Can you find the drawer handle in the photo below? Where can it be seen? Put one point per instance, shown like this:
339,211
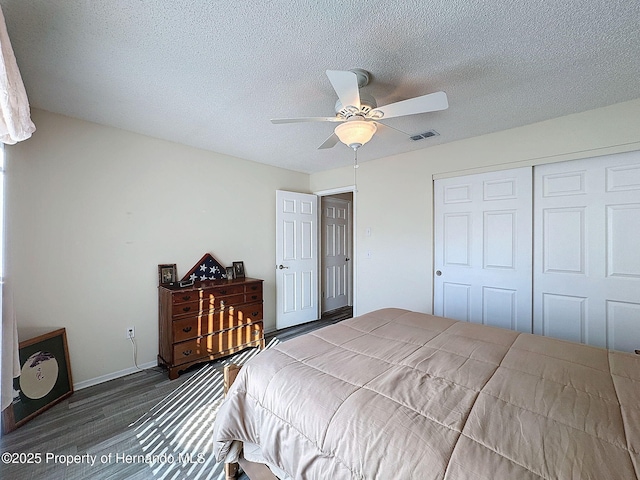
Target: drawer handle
256,332
186,329
255,314
186,353
254,297
186,309
186,297
255,287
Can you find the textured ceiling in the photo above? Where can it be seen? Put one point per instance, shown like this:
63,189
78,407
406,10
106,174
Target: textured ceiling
212,74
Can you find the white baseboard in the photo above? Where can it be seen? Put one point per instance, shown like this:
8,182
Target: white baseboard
112,376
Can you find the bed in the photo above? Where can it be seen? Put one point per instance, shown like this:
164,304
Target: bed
395,394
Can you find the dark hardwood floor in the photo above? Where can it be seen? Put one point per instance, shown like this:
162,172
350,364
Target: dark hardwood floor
142,426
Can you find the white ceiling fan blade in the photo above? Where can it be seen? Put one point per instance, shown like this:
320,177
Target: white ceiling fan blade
329,142
345,84
306,119
426,103
385,127
390,135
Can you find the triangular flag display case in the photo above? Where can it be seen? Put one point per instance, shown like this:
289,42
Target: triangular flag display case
208,268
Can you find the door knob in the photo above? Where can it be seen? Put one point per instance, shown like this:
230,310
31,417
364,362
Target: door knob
438,273
347,259
281,266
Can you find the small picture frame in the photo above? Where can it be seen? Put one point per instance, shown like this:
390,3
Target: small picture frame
167,273
45,377
230,273
238,269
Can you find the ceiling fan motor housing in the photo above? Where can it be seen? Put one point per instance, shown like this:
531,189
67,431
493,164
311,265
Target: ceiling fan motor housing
367,103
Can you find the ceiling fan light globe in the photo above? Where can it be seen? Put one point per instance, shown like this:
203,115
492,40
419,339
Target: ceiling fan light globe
355,133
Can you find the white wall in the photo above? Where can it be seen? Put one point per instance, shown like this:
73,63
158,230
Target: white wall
395,194
92,211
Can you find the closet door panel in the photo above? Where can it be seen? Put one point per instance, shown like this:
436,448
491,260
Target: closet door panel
623,246
564,317
456,301
623,318
482,260
586,260
563,240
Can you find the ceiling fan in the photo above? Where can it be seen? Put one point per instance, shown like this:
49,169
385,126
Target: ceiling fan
358,113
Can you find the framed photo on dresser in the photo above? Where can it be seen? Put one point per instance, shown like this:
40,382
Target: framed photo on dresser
238,269
167,273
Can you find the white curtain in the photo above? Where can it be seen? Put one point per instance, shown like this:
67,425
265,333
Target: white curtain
15,126
15,121
10,360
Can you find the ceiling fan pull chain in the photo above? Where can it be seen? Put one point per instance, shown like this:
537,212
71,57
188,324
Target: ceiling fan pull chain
355,169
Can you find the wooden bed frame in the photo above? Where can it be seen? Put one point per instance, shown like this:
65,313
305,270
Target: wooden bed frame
255,471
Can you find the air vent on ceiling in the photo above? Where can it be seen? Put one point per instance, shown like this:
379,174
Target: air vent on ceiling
422,136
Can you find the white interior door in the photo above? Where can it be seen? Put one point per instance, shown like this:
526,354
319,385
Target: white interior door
482,258
587,251
296,258
336,253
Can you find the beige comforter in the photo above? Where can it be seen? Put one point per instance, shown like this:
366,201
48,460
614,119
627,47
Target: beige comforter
396,395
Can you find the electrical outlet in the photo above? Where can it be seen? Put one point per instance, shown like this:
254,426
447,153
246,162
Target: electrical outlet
131,332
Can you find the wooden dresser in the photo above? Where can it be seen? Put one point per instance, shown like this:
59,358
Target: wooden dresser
208,320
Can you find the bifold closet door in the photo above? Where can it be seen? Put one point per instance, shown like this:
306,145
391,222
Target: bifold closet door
483,238
587,251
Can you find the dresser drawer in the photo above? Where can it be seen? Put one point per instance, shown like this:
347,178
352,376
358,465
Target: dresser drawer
229,300
248,313
193,327
252,297
216,343
206,323
221,291
185,329
185,296
205,304
253,288
206,293
237,316
187,308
